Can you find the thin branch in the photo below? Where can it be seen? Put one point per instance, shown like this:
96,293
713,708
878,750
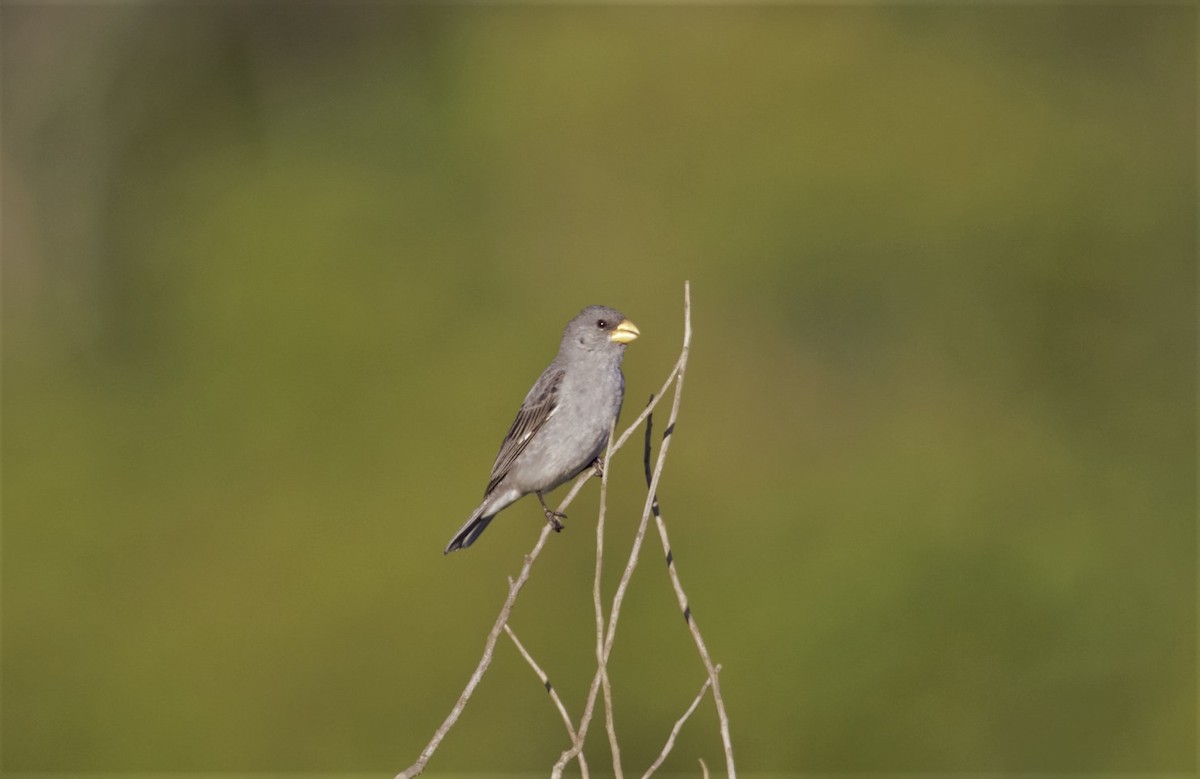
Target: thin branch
601,659
514,588
623,584
649,409
631,564
489,646
666,750
545,680
681,596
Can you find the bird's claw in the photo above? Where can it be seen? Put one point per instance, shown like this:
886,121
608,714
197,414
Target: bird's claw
598,467
554,519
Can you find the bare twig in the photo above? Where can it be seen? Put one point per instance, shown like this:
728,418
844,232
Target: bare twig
489,646
681,596
703,769
545,680
675,369
666,750
631,563
515,587
601,659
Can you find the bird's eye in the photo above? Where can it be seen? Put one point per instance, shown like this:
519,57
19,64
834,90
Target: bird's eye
603,323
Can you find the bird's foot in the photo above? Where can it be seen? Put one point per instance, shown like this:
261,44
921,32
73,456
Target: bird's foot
553,518
598,467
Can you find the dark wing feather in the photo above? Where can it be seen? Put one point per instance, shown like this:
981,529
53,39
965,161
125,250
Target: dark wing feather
537,408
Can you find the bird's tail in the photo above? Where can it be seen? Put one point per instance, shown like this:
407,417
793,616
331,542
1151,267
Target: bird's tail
467,534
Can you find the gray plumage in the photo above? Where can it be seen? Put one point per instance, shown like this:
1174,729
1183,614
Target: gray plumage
564,421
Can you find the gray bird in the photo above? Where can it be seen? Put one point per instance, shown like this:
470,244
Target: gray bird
563,423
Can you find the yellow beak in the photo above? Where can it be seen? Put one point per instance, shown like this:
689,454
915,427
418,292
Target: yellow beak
625,332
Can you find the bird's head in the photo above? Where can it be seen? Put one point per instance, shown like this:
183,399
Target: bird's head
600,328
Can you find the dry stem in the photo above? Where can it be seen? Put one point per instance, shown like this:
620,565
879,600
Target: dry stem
541,675
666,750
681,596
601,660
514,588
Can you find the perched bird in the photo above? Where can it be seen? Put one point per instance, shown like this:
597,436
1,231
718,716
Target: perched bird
563,423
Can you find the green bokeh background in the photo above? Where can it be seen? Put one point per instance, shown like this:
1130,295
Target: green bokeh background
276,278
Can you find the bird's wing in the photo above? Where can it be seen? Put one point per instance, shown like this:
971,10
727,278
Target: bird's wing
538,406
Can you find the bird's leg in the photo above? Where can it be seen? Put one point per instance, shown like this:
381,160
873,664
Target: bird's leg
553,517
598,466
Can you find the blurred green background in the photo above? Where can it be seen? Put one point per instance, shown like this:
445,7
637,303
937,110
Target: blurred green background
276,278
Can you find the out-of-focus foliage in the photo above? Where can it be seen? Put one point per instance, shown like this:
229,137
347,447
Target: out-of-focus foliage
276,278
